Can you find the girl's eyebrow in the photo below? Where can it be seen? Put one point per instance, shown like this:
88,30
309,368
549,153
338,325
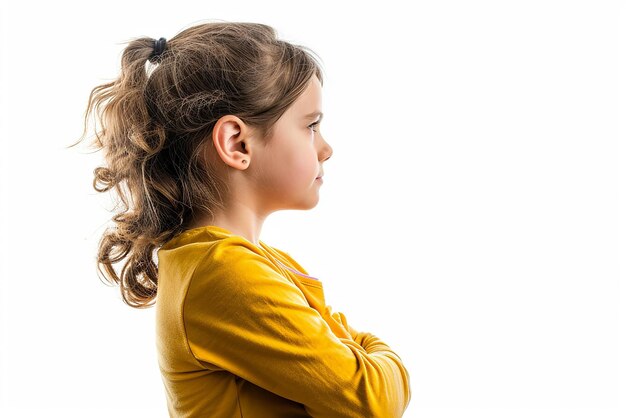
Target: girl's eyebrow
310,115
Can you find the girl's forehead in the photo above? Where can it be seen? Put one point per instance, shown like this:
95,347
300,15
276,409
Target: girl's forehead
310,101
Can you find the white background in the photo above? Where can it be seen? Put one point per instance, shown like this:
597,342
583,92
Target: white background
471,215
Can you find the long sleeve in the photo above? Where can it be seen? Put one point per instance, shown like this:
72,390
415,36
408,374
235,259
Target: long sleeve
243,316
357,336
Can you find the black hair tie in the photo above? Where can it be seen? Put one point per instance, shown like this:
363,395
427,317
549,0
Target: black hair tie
159,47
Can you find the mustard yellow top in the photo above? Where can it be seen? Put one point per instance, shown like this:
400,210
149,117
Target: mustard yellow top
242,331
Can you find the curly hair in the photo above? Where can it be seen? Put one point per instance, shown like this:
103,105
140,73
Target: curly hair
156,118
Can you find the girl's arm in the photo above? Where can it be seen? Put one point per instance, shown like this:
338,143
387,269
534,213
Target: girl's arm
243,316
341,318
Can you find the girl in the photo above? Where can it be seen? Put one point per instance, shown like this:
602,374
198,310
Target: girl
205,135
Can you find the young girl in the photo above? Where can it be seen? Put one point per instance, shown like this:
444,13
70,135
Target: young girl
204,135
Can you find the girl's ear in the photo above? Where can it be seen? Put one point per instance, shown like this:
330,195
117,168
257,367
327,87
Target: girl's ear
231,137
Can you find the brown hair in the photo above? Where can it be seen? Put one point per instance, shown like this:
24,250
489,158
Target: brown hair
155,125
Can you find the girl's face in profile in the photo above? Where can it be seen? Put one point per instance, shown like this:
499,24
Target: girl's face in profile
288,167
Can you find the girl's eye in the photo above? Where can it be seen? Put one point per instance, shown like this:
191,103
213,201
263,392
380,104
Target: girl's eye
314,124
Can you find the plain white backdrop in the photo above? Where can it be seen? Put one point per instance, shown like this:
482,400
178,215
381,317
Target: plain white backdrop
471,215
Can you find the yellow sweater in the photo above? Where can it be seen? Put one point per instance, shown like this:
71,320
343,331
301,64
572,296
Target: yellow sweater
242,331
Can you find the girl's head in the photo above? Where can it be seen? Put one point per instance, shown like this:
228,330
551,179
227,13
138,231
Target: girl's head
223,114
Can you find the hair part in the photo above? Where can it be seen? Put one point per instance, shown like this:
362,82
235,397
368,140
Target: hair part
156,119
